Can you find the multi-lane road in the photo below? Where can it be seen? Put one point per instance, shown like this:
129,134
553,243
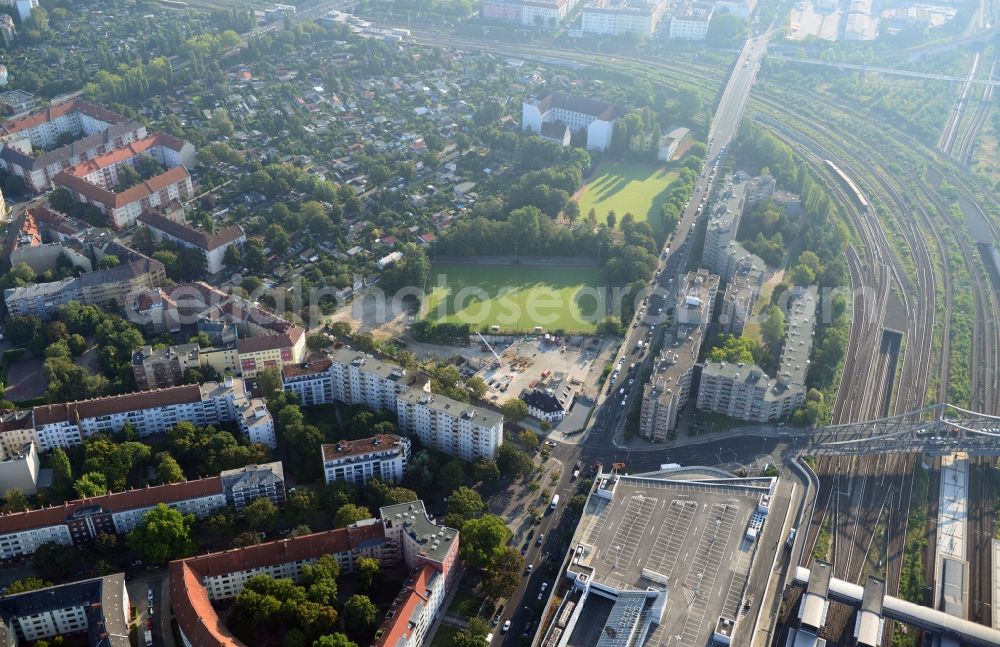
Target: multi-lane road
602,441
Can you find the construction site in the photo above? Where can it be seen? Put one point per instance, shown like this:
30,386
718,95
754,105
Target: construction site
898,548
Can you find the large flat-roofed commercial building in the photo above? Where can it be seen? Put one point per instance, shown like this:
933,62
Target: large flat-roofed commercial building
149,412
455,428
657,559
98,608
357,461
79,521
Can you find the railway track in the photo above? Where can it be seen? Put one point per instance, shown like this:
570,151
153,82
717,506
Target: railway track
967,144
883,272
982,511
863,501
950,133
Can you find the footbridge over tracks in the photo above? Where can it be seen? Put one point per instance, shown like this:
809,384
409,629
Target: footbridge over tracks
938,428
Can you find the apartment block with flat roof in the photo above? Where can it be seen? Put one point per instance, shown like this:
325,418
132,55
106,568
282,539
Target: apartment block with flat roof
383,456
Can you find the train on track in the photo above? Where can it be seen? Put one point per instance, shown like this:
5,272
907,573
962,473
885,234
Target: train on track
859,197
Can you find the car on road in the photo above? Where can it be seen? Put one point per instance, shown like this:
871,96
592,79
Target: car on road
149,595
576,474
528,569
497,616
624,400
541,594
550,443
541,538
506,627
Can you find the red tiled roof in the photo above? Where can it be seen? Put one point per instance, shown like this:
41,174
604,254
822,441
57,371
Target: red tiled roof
189,598
345,448
71,411
394,629
269,342
310,368
58,110
114,200
114,502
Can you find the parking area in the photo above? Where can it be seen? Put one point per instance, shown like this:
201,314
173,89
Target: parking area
686,536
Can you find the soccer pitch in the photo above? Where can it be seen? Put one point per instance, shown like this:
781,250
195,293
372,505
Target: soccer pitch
638,189
516,297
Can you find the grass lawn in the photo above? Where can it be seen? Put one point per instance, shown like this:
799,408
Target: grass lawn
465,603
443,635
514,297
638,189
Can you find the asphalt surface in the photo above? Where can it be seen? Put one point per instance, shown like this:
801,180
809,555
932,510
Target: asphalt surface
602,441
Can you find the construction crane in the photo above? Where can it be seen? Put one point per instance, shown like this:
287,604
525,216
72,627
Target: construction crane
487,345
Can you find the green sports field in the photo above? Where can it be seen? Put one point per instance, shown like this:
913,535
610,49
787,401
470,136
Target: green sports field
514,297
638,189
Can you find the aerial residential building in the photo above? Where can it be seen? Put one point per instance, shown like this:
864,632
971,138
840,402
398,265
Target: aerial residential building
577,113
671,143
737,305
26,244
669,386
14,101
696,299
503,10
455,428
95,181
544,405
403,535
19,469
357,461
260,338
357,378
80,521
723,223
112,287
176,230
617,17
311,381
100,608
691,21
354,377
163,367
149,412
745,392
739,8
30,143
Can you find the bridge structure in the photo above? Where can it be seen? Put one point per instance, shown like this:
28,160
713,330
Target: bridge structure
938,428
